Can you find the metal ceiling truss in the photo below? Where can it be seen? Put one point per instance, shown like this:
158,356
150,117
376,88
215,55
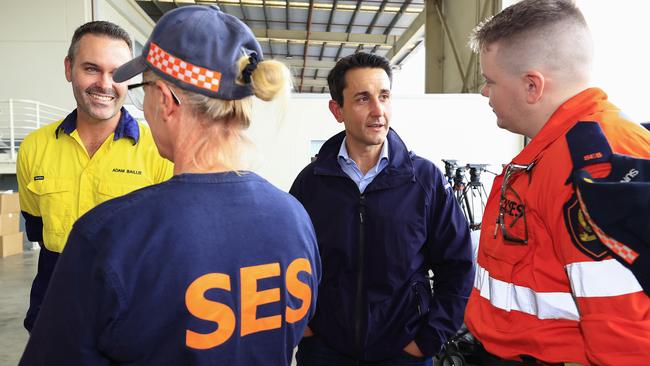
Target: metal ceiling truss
282,35
309,36
322,50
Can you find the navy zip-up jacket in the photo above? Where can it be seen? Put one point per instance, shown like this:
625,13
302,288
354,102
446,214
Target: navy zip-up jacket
376,250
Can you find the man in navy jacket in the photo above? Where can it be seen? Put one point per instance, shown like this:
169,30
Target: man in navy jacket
383,217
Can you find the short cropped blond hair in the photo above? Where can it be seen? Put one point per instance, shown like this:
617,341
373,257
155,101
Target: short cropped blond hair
552,34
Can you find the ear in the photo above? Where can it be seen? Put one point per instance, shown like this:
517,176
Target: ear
335,108
169,107
535,83
68,68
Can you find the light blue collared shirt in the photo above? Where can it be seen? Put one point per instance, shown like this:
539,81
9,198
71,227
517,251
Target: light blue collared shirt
352,169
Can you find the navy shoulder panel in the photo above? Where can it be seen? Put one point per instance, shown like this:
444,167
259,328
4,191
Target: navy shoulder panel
587,145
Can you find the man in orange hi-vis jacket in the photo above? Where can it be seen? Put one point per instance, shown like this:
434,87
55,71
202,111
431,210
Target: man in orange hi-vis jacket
548,290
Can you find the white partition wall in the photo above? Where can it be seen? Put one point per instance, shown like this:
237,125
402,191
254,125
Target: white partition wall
438,126
34,40
126,14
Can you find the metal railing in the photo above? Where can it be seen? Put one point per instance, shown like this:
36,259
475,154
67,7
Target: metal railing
19,117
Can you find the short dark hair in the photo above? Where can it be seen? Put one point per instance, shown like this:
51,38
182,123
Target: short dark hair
336,77
98,27
523,17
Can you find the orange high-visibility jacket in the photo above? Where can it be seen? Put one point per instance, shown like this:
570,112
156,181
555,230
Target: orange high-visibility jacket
560,297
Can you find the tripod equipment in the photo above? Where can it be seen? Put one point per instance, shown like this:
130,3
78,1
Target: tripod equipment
450,168
475,171
473,196
459,179
470,192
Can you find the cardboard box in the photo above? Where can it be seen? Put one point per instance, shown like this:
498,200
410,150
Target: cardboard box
9,203
11,244
9,223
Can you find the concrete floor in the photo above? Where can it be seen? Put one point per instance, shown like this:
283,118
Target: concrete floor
16,275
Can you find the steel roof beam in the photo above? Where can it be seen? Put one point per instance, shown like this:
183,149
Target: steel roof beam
310,64
306,46
322,47
393,21
325,24
243,12
398,15
408,38
157,5
329,37
318,83
267,25
373,22
286,16
349,28
392,6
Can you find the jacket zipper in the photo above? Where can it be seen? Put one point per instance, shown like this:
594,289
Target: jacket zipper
418,298
359,300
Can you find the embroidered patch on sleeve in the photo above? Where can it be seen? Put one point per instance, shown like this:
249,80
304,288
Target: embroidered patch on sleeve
581,233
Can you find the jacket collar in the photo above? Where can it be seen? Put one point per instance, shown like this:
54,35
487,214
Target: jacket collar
400,164
126,127
577,108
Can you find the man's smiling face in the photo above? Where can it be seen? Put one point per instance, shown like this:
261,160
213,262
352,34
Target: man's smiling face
96,57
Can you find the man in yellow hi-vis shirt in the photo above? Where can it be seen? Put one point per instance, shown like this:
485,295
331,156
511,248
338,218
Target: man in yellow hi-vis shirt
96,153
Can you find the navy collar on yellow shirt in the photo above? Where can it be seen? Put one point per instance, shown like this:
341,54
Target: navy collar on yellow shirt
126,127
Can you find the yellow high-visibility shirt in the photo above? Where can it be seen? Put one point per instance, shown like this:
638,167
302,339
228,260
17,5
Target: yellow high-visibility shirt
58,182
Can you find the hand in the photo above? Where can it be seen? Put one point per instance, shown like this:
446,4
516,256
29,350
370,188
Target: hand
413,349
308,332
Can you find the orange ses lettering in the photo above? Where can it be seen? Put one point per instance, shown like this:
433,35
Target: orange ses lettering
298,289
250,299
214,311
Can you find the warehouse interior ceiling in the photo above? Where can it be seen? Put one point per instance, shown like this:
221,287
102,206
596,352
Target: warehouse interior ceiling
309,36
